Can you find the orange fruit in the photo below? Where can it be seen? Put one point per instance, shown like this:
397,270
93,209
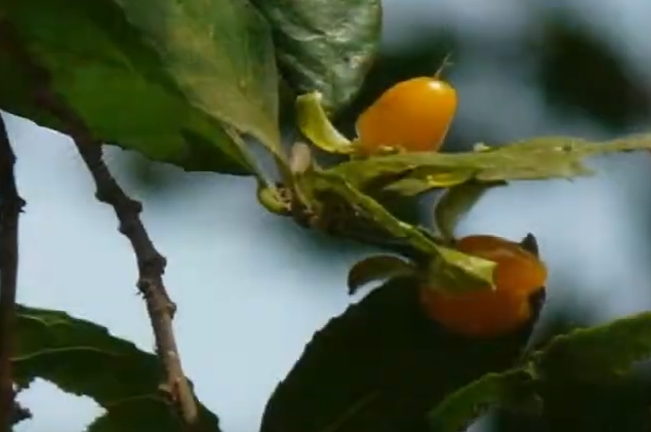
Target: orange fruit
488,313
413,115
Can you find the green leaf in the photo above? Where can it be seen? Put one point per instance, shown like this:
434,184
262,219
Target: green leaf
534,159
460,408
454,271
376,268
576,368
449,269
273,200
415,184
314,124
456,203
220,55
597,353
381,366
82,358
325,46
127,90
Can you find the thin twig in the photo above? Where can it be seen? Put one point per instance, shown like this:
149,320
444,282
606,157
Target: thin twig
151,264
11,205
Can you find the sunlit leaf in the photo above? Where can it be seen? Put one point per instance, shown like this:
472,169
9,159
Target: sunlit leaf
534,159
220,54
414,184
147,88
449,269
314,124
82,358
455,271
377,268
325,46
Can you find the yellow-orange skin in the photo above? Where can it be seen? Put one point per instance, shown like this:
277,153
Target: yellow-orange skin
414,115
490,313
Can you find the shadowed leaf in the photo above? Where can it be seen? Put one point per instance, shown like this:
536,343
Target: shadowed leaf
462,407
143,414
598,352
82,358
325,46
377,268
577,367
381,366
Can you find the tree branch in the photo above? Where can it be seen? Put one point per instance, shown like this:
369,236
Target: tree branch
151,264
11,205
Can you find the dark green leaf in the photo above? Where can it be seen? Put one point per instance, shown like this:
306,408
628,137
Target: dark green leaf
620,405
598,352
576,368
127,91
377,268
381,366
455,203
534,159
325,46
460,408
146,414
82,358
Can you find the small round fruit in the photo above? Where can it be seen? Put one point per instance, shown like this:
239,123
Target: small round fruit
413,115
489,313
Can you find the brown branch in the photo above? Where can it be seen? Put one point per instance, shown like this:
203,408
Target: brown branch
151,264
11,205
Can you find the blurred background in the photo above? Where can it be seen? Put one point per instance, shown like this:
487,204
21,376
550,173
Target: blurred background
252,288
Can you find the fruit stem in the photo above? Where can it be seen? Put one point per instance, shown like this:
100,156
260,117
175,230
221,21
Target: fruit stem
444,64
